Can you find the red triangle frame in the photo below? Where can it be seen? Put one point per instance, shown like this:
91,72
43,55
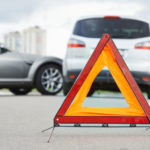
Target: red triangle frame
60,118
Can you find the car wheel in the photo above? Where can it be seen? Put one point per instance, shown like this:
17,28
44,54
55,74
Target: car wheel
20,91
148,93
91,92
49,80
66,88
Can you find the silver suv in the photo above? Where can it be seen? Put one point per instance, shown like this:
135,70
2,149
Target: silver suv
132,38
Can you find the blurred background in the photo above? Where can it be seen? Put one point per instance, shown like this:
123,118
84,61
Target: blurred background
43,27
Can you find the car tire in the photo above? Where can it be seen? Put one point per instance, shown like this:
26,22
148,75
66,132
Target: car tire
66,88
91,92
148,93
20,91
49,79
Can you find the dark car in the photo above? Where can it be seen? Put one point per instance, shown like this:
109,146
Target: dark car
20,72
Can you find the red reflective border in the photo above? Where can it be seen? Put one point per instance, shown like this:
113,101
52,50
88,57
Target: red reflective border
60,118
97,119
133,85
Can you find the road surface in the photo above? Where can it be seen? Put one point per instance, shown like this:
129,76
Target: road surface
22,118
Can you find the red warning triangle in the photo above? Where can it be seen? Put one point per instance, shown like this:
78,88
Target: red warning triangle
105,55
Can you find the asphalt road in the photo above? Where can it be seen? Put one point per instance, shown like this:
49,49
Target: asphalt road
22,118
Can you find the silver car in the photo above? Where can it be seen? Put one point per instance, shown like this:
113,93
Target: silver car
22,72
132,38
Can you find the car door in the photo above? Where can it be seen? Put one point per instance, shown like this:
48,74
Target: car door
11,64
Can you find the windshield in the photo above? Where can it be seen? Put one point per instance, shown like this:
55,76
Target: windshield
117,28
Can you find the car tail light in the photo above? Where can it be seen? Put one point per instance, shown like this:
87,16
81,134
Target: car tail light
75,43
143,45
145,79
111,17
71,76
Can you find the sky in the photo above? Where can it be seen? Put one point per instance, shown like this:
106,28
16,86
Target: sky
58,16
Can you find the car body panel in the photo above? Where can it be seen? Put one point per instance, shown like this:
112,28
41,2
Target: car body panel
137,60
12,65
29,58
41,61
19,69
77,57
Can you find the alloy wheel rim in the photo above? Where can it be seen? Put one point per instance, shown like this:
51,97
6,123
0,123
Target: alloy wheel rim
52,80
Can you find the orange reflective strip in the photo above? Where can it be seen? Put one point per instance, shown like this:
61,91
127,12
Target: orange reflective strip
106,59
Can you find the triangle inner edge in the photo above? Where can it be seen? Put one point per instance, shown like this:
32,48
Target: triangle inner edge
106,58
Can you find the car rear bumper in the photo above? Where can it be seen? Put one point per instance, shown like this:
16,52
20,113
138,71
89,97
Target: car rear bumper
105,80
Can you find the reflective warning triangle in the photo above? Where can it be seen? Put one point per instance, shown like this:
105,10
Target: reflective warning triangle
105,55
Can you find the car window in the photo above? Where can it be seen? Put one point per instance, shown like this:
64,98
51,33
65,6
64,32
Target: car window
117,28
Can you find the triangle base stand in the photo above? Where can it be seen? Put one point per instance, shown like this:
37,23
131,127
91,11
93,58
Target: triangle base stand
105,125
51,134
52,131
